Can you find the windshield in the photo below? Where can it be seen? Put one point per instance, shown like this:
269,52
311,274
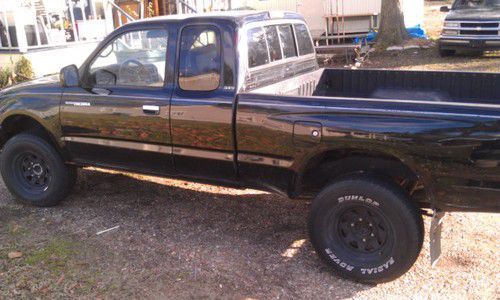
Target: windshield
462,4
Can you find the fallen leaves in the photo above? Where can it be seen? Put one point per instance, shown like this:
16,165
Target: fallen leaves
60,280
15,254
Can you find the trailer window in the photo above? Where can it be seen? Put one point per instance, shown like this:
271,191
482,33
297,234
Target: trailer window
273,42
257,47
303,39
287,40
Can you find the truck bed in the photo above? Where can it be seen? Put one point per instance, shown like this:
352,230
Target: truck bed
446,123
387,84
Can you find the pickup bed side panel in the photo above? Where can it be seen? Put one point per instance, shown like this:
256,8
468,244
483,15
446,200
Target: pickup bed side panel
436,86
454,149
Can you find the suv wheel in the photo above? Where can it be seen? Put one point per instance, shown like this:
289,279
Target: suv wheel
34,172
366,229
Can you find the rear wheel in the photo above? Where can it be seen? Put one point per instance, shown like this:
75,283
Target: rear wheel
366,229
34,172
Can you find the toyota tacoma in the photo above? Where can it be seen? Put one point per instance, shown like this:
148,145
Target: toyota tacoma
237,99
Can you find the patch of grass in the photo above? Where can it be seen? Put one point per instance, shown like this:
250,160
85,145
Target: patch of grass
55,255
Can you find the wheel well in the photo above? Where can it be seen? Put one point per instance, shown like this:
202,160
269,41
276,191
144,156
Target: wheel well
332,165
16,124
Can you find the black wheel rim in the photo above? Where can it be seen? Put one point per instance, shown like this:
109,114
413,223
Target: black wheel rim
32,171
362,229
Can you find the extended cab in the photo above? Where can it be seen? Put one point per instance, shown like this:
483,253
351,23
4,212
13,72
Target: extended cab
238,99
471,25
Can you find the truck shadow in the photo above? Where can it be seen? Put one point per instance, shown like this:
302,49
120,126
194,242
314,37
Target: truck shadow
184,240
240,233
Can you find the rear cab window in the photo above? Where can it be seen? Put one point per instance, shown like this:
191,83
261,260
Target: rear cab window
287,40
274,43
269,50
257,47
304,43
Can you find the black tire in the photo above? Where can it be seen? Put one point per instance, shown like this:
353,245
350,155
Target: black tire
34,172
447,52
366,229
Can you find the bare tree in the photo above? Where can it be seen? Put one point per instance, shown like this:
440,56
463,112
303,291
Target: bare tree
392,29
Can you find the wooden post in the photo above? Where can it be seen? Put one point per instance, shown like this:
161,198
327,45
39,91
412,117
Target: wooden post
156,8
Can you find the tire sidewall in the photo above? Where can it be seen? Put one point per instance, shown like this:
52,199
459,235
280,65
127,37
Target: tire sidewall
404,244
31,143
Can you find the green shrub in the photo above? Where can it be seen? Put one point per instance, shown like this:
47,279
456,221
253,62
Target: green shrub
4,77
23,70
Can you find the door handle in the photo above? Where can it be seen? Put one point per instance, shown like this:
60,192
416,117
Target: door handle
151,109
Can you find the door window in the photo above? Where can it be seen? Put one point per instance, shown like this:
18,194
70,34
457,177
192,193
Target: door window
134,58
200,59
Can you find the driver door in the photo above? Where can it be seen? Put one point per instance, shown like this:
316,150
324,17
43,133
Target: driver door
119,117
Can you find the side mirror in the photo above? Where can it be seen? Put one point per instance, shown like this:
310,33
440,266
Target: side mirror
69,76
444,9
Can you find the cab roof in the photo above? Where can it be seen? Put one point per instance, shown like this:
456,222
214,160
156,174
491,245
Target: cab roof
239,17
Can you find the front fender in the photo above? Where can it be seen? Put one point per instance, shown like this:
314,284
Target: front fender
39,102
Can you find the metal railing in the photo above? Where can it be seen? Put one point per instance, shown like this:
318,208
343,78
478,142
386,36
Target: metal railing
26,25
184,7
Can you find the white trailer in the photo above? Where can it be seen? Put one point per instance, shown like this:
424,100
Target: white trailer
337,17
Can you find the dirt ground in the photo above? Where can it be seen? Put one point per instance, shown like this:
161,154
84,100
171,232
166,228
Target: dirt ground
182,240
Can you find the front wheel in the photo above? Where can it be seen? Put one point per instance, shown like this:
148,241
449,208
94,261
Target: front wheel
34,172
366,229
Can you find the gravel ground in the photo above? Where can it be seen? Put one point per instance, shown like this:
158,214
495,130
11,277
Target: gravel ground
183,240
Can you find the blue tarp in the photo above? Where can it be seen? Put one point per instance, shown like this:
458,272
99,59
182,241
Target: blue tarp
415,32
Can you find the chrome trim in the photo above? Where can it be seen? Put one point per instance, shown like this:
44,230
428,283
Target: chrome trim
154,108
471,37
460,42
120,144
468,21
207,101
264,160
76,103
473,28
209,154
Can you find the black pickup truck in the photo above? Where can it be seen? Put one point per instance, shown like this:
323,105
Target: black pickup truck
237,99
472,25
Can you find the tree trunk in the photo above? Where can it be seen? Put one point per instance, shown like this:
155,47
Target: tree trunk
392,29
